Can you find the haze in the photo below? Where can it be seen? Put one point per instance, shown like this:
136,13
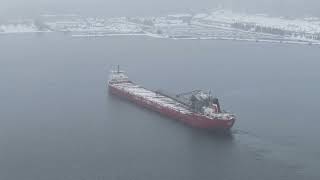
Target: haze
62,118
14,8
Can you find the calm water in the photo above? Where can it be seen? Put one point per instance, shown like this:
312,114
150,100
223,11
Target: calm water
58,122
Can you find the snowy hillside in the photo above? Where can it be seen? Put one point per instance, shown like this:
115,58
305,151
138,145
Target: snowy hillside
218,24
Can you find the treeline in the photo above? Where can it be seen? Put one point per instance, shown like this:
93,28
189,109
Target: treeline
273,30
256,28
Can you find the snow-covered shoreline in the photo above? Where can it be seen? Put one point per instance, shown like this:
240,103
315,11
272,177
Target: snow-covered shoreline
218,24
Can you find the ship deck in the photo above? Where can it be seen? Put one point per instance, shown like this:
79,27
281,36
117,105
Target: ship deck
148,95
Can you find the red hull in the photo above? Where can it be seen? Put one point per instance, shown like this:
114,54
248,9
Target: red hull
194,120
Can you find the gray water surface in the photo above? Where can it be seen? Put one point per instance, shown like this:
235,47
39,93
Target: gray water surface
57,120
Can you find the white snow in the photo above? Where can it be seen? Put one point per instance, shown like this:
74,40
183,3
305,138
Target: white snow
179,15
152,97
218,24
18,28
310,25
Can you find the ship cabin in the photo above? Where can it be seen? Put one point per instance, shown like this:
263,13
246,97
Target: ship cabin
118,76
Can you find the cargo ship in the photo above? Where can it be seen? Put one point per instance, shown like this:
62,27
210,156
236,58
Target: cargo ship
197,108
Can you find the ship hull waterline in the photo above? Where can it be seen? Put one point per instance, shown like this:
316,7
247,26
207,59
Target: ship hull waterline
193,120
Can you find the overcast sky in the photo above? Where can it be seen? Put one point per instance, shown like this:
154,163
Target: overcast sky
154,7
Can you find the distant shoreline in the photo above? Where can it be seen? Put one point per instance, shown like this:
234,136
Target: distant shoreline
217,25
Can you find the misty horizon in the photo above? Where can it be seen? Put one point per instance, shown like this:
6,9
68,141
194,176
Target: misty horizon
18,8
208,89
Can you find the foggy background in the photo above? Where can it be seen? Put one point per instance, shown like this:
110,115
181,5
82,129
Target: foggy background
29,8
59,122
